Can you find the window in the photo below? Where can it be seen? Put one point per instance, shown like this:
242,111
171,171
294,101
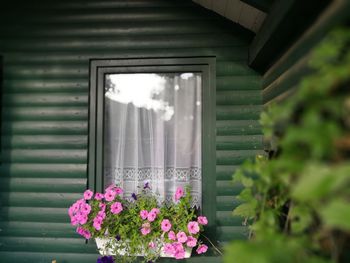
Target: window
153,120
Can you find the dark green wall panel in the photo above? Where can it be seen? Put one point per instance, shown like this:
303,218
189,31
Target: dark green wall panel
46,48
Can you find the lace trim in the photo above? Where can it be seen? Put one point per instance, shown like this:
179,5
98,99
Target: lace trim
141,174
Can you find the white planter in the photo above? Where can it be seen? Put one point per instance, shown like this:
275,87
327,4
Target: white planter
102,242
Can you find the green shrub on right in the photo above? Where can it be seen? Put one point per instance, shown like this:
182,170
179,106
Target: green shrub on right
296,198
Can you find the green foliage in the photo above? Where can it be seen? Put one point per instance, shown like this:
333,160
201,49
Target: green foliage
298,198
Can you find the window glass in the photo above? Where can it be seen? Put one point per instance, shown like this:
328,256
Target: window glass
152,132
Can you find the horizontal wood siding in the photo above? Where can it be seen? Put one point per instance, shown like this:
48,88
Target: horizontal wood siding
46,47
281,79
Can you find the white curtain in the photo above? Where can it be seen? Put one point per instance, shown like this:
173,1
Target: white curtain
152,133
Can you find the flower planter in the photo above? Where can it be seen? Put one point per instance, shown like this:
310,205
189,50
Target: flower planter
101,244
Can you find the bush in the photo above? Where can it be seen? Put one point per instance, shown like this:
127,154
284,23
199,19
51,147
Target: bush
296,198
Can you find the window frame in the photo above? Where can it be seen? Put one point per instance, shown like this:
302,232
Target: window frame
204,65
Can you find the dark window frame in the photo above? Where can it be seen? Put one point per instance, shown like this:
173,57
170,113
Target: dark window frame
204,65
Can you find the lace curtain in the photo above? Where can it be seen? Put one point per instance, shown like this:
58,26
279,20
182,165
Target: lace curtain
152,133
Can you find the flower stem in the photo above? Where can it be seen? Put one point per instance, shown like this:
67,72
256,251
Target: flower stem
217,250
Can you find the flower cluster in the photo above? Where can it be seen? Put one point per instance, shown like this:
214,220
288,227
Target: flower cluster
178,242
140,224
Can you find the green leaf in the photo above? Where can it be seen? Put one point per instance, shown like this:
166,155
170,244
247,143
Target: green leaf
319,180
337,214
245,210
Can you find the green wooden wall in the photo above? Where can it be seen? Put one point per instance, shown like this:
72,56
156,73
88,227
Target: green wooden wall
281,79
46,47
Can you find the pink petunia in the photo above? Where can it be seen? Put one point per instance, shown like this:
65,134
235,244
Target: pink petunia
83,219
151,216
88,194
85,209
202,220
110,195
97,225
84,232
180,254
144,214
193,227
71,211
80,201
118,190
155,210
80,230
179,250
171,235
181,237
116,208
191,241
102,206
74,221
101,214
169,249
202,249
97,222
145,231
87,234
110,187
151,244
165,225
99,196
179,193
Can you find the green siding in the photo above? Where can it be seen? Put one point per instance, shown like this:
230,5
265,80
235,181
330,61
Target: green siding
46,48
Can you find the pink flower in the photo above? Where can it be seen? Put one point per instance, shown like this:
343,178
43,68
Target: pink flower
202,220
169,249
181,237
85,209
180,254
151,244
80,230
83,219
101,214
172,235
118,190
102,206
145,231
80,201
193,227
151,216
87,234
97,223
144,214
155,210
110,187
179,193
146,228
71,211
84,232
74,221
202,249
191,241
110,195
179,250
88,194
99,196
116,208
166,225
